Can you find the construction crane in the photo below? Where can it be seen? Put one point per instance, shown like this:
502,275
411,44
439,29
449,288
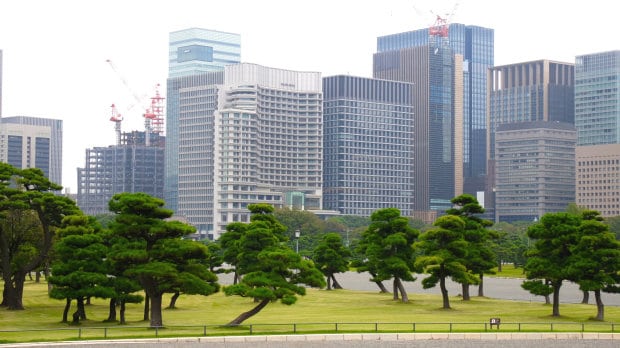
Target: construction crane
117,118
153,115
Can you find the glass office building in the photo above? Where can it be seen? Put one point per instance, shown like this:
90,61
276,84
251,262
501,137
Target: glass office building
476,45
29,142
368,132
597,98
197,58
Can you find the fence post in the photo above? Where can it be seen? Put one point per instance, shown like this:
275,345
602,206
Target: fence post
294,328
582,327
376,327
551,326
80,333
336,327
450,327
485,326
204,330
105,332
413,327
519,327
251,330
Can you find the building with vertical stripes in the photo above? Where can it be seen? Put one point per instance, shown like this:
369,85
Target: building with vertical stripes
255,137
436,73
368,145
476,45
196,60
32,142
535,169
598,178
134,165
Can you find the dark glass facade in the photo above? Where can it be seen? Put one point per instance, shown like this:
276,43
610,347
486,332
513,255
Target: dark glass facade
476,45
368,131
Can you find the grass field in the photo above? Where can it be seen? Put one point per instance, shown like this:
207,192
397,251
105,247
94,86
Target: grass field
318,311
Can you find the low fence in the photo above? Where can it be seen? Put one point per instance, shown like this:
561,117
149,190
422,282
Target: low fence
125,332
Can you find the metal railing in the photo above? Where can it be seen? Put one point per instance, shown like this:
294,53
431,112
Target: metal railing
124,332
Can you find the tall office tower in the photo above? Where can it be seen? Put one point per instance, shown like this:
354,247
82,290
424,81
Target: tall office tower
476,45
131,166
540,90
438,121
29,142
535,169
598,178
263,143
368,140
193,51
597,98
196,59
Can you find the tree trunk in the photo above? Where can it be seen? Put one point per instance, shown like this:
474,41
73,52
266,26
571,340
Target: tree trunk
122,313
329,282
335,282
13,291
112,311
444,292
499,266
147,303
382,288
556,298
600,308
586,297
65,313
401,288
236,278
156,316
173,300
246,315
481,286
547,299
465,290
395,290
80,308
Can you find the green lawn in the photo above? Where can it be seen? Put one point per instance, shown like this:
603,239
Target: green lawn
196,315
509,271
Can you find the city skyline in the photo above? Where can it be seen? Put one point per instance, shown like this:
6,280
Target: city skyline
54,57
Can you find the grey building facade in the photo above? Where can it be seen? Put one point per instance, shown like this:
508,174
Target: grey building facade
597,98
476,45
436,73
196,60
535,169
33,142
132,166
255,137
368,145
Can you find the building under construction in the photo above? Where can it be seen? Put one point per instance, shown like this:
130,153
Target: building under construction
134,165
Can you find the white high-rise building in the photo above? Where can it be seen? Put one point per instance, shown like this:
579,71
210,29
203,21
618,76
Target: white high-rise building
262,143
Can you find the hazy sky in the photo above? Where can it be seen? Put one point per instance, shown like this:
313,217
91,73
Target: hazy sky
55,51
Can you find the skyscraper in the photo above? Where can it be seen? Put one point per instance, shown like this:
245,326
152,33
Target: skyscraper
131,166
597,98
597,119
438,120
193,51
196,58
476,45
541,90
535,169
368,140
260,140
32,142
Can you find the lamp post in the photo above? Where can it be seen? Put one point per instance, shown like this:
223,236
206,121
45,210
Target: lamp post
297,233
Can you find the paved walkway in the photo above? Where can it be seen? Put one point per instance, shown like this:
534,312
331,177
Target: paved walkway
426,340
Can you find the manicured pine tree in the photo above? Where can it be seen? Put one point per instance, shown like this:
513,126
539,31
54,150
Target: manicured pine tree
331,257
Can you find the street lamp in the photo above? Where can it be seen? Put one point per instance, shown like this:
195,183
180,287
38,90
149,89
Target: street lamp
297,233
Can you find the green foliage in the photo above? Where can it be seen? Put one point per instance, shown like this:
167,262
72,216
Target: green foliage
387,248
270,270
331,256
78,270
442,251
152,250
